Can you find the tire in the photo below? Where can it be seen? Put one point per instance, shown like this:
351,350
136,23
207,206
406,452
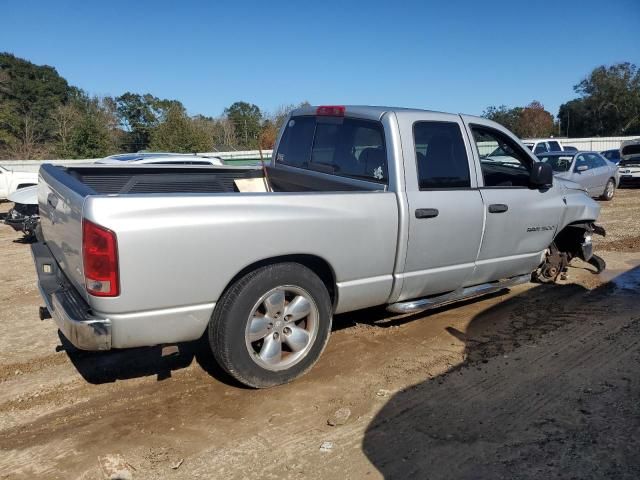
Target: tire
609,190
251,304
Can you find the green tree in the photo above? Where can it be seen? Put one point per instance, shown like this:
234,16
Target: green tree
139,115
93,127
29,94
179,133
608,103
505,116
246,118
575,119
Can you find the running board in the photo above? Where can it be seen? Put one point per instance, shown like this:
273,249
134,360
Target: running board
420,304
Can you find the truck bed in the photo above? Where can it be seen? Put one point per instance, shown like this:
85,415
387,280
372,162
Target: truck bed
191,222
107,179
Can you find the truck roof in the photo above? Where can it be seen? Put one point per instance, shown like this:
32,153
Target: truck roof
371,112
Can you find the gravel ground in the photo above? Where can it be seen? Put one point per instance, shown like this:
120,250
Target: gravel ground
540,382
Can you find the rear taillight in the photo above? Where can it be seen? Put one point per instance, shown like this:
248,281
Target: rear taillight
331,111
100,256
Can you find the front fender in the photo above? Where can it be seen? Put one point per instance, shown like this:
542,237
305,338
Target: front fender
579,207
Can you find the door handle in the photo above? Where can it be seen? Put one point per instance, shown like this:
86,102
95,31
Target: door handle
427,212
498,208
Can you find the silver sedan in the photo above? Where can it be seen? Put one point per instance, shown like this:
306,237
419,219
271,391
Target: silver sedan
596,174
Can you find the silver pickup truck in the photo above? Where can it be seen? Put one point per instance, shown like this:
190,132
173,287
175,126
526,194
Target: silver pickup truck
365,206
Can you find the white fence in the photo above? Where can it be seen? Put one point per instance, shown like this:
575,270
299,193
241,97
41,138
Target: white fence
597,144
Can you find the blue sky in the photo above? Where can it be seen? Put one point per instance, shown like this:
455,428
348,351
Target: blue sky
455,56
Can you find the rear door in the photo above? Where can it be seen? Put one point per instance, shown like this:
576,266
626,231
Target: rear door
520,221
445,206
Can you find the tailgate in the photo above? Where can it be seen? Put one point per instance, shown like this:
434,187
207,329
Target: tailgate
60,200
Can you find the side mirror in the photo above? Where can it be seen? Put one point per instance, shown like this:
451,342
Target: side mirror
582,168
541,175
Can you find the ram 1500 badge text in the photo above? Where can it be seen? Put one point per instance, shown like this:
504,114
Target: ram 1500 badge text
366,206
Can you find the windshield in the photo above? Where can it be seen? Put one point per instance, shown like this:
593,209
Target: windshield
559,163
529,146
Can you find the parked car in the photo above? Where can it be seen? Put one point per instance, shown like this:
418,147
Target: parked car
23,217
366,206
629,165
10,181
612,155
161,158
598,176
542,145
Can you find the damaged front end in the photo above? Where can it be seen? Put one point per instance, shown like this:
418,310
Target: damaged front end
23,218
574,241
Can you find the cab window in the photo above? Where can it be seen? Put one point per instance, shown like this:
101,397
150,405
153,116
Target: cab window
508,169
440,156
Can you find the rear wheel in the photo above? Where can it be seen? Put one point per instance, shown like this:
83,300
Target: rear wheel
271,325
609,190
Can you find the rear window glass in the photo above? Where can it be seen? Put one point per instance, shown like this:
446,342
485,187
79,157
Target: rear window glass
554,146
540,148
339,146
295,146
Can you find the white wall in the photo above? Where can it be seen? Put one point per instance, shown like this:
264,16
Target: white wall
597,144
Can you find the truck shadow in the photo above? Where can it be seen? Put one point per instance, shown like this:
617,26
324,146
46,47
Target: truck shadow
106,367
465,422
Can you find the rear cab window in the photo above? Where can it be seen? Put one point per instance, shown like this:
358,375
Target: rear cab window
342,146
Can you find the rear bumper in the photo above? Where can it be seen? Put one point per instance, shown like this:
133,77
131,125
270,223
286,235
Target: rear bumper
88,329
70,311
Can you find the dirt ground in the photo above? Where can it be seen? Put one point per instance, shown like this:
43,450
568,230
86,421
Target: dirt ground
539,382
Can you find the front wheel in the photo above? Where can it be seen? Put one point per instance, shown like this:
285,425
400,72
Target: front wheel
609,190
271,325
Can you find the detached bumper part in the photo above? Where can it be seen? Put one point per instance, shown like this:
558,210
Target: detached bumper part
70,312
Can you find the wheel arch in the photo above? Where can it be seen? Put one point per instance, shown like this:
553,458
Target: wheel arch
315,263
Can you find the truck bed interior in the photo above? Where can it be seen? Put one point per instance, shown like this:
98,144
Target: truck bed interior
109,179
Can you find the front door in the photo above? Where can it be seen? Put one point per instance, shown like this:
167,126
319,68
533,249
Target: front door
584,173
445,207
521,221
